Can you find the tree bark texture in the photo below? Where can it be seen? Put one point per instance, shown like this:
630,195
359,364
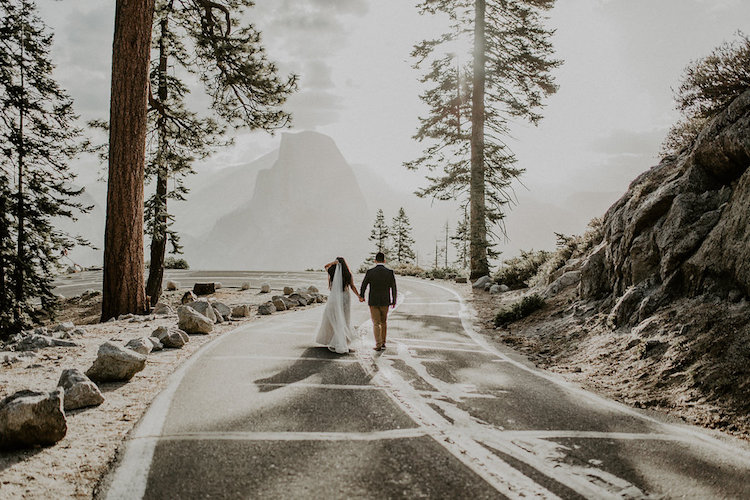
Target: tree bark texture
123,289
159,233
478,224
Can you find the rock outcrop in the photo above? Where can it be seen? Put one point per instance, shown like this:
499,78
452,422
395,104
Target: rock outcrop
682,228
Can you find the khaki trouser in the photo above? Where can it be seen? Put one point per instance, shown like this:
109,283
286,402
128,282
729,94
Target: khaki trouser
379,315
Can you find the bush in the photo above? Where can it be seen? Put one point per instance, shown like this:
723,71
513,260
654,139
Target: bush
569,247
708,86
173,263
408,270
519,310
519,270
443,273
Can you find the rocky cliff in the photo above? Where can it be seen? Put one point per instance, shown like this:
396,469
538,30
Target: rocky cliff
682,228
303,211
656,314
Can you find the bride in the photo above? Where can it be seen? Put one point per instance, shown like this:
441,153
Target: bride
335,329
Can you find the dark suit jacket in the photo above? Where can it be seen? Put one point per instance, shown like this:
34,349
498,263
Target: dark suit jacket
382,283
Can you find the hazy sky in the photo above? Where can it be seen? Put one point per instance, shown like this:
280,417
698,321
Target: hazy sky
602,128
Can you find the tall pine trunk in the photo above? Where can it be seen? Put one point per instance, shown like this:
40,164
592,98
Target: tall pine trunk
159,233
478,224
20,222
122,288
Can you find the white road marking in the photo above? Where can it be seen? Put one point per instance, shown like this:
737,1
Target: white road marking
286,358
402,339
290,436
721,446
310,385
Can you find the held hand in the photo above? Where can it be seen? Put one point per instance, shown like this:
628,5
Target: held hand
361,299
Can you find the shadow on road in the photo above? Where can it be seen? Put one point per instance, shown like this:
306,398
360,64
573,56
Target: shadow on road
324,363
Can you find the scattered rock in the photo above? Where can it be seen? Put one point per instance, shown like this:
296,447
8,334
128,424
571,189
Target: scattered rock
162,309
504,288
204,307
265,288
461,279
29,418
289,303
222,309
78,331
172,285
191,321
288,290
33,342
279,304
302,298
487,287
122,317
241,311
245,286
66,326
218,285
90,293
267,308
170,337
140,345
114,363
188,297
495,289
204,288
312,289
481,282
158,346
80,391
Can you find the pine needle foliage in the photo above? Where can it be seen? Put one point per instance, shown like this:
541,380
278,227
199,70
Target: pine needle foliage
514,71
38,137
708,86
207,40
402,240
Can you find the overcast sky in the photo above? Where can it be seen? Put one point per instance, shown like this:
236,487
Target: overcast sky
602,128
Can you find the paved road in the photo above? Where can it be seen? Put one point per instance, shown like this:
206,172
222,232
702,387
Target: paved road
262,413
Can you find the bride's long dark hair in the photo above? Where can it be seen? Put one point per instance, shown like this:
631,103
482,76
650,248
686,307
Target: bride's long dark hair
346,274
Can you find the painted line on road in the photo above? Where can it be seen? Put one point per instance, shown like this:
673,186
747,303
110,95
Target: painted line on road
310,385
704,438
401,339
415,432
129,478
568,434
285,358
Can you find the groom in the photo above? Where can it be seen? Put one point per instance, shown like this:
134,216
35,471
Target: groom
382,283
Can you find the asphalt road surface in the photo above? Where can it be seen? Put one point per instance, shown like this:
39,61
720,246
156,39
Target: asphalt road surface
443,413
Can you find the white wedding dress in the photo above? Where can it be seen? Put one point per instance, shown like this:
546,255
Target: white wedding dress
335,329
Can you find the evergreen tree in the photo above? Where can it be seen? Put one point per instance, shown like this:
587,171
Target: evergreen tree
37,139
402,240
379,235
243,87
122,284
505,77
460,241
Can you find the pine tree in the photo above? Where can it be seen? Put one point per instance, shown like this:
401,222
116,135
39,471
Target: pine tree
379,235
460,241
37,139
402,240
123,290
242,84
505,77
